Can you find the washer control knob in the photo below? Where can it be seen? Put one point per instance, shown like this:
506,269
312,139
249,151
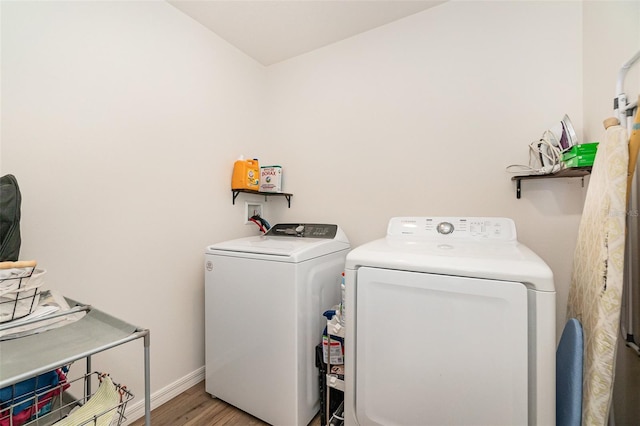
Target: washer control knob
444,228
299,229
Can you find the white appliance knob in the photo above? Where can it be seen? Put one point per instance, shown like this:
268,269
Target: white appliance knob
444,228
299,229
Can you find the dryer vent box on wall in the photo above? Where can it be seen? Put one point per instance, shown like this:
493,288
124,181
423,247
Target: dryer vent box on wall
252,209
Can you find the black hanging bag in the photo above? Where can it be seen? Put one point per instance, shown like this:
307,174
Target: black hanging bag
10,201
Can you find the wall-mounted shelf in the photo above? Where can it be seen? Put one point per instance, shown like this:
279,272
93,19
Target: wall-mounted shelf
334,381
266,194
580,172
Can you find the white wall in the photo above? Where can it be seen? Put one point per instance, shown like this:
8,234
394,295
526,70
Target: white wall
611,37
121,121
421,117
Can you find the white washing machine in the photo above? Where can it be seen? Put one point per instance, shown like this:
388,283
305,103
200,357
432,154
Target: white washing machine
449,321
264,299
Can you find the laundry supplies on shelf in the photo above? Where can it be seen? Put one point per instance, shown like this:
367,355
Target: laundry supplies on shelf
581,155
246,174
271,179
332,342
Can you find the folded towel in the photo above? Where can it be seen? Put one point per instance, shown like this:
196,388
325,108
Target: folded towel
99,410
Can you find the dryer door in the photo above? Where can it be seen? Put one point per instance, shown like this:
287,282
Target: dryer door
439,350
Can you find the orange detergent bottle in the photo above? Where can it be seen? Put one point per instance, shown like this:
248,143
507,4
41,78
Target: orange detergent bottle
246,174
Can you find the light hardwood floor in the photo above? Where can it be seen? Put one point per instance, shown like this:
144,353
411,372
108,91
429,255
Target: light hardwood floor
195,407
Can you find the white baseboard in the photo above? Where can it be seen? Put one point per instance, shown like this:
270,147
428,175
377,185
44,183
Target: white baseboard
136,411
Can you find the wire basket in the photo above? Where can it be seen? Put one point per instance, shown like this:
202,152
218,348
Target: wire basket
55,405
20,284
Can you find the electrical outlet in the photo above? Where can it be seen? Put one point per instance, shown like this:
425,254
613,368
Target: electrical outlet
251,209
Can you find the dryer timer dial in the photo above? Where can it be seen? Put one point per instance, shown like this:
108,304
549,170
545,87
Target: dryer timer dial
445,228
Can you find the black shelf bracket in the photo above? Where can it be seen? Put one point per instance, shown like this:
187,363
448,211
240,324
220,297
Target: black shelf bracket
580,172
287,196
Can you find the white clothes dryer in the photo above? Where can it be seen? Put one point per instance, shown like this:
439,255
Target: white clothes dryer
264,299
449,321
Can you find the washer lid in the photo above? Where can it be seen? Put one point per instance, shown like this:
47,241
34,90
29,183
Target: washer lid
488,249
286,247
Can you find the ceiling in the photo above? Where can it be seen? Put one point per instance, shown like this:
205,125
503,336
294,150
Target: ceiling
271,31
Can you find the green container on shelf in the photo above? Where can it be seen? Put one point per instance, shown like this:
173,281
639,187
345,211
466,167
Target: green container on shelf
581,155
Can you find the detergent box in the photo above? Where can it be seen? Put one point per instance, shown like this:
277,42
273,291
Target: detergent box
270,179
581,155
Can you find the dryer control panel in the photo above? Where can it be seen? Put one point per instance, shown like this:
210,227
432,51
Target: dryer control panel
458,228
304,230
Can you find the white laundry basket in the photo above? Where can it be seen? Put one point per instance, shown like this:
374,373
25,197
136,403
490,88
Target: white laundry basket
20,284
